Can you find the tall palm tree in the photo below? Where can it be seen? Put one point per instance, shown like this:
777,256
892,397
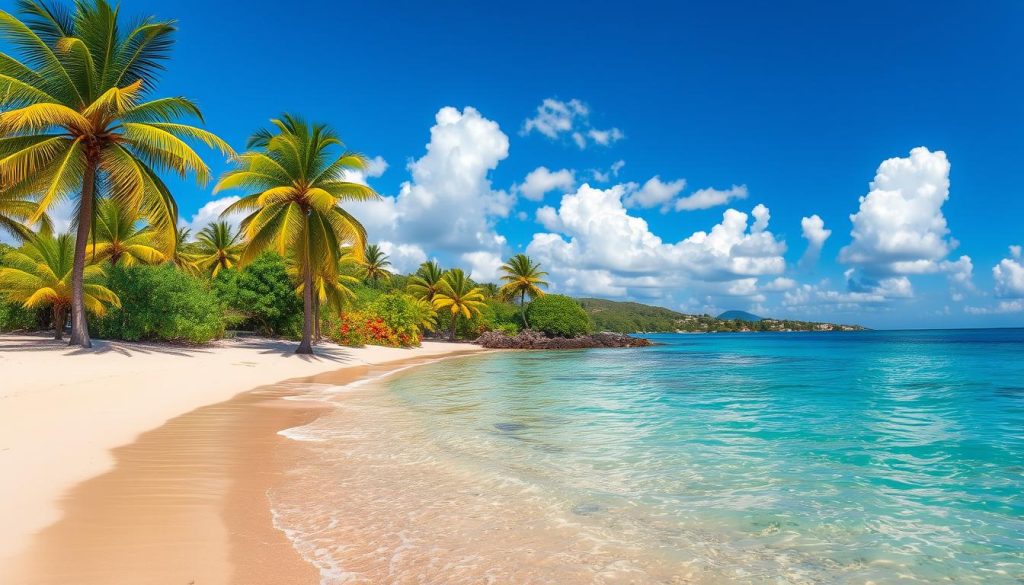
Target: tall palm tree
77,116
118,237
297,187
458,296
218,246
375,264
39,275
425,283
523,278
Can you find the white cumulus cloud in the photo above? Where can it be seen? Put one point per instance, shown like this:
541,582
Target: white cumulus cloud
708,198
1009,275
483,266
210,213
654,193
813,230
555,118
449,204
543,180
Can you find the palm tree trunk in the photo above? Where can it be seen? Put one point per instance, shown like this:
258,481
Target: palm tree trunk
79,327
522,309
306,346
59,317
316,320
451,336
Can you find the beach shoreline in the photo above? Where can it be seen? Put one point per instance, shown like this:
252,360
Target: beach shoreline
86,431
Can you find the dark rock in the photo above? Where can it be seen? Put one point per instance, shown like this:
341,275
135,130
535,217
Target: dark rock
529,339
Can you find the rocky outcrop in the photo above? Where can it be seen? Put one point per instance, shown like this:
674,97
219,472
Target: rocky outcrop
535,340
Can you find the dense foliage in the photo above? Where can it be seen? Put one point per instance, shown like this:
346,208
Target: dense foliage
160,303
558,315
624,317
261,298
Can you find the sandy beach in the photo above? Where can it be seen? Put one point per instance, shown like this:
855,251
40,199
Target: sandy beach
150,462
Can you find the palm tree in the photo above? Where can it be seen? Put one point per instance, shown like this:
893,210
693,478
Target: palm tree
76,117
116,236
375,264
459,296
424,314
184,256
331,287
39,275
424,284
523,278
297,187
218,247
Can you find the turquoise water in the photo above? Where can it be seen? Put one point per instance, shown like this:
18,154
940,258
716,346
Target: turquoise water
885,457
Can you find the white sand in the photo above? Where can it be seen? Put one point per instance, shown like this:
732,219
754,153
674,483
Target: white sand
62,410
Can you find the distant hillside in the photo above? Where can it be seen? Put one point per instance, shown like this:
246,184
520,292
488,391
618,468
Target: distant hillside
740,316
628,317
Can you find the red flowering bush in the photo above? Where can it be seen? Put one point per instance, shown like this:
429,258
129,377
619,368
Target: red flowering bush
382,323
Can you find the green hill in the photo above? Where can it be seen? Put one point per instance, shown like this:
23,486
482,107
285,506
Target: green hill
739,315
630,317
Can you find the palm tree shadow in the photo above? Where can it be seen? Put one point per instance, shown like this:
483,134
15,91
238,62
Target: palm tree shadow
321,351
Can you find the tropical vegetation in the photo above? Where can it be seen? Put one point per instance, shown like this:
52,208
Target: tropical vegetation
81,127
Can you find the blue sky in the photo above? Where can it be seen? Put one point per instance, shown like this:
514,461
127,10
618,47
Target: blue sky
795,104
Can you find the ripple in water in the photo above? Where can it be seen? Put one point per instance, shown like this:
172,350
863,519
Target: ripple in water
802,458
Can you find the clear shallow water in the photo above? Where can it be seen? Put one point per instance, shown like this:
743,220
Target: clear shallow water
885,457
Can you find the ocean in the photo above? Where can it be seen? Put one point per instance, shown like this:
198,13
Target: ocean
855,457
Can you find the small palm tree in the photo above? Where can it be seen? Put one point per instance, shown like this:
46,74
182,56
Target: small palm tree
118,237
523,278
331,288
184,256
375,264
427,280
218,247
77,114
297,187
39,275
458,296
424,314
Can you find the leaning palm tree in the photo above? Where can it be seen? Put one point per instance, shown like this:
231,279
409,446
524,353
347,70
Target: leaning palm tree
296,188
118,237
458,296
39,275
77,116
425,283
523,278
218,247
375,264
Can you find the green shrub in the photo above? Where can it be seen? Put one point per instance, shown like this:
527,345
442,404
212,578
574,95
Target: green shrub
389,319
14,317
496,315
261,297
558,315
160,303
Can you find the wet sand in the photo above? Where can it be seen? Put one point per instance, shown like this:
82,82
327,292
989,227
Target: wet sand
187,502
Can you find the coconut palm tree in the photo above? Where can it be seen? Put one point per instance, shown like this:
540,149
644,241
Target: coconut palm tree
375,264
458,296
118,237
218,246
296,188
77,115
523,278
424,284
39,275
331,287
